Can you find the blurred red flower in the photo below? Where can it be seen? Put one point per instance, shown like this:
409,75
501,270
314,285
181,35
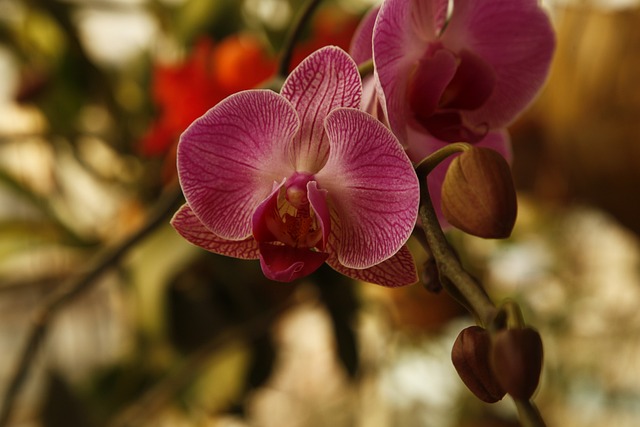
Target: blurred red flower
184,91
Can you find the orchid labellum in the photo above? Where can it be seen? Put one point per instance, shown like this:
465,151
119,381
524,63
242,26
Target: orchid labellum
300,178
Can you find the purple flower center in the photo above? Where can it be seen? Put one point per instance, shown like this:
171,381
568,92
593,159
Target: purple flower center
290,218
291,227
442,86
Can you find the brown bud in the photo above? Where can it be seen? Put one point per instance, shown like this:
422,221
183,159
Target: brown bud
478,195
516,358
470,356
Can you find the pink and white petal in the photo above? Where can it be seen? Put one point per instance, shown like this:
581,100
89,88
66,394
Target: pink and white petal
402,34
189,226
369,101
229,158
373,189
429,17
286,263
262,214
361,49
399,270
500,141
516,39
325,80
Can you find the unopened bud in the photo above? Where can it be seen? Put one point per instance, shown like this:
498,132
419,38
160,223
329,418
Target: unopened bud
516,358
470,356
478,195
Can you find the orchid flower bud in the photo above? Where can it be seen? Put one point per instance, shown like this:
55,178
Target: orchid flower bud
516,358
471,358
478,195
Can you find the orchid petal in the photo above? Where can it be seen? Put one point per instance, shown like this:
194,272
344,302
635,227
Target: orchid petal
516,39
259,225
432,76
372,188
398,44
189,226
361,49
325,80
399,270
229,158
286,263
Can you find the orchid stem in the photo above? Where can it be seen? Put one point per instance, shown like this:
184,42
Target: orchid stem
454,278
294,35
71,290
429,163
457,281
366,68
529,414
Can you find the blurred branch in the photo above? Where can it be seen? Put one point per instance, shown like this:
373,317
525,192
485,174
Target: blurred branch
464,287
43,206
71,290
294,35
166,389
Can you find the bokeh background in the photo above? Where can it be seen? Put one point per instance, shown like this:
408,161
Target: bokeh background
93,95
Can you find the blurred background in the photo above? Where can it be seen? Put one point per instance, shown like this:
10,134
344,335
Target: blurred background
93,96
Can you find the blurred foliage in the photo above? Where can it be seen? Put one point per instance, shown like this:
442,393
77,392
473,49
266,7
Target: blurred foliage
182,337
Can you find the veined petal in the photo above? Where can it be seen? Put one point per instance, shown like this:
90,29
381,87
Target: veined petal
286,263
229,158
516,39
325,80
430,16
399,270
373,190
401,36
189,226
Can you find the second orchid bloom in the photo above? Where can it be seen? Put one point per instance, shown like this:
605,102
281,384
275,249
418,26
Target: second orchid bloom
300,178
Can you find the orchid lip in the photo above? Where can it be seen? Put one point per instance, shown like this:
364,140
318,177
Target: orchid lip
442,85
288,217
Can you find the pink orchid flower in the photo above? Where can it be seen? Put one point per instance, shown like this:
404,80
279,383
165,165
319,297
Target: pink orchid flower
460,77
300,178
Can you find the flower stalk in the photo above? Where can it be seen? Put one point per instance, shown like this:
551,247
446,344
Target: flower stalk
429,163
454,278
293,36
459,283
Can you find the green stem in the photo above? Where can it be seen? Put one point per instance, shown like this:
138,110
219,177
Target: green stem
429,163
529,414
513,315
454,278
366,68
294,35
458,282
